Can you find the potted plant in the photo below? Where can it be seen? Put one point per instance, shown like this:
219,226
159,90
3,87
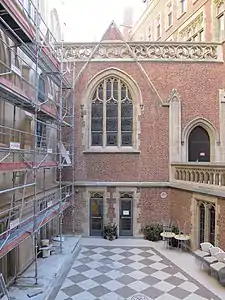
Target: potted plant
173,242
152,232
110,232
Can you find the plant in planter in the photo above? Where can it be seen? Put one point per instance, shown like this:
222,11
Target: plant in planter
110,232
173,242
152,232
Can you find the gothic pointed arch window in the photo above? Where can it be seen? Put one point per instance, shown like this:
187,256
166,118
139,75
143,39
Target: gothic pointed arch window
112,114
199,145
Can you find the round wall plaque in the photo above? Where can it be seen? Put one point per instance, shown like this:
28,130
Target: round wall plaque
163,195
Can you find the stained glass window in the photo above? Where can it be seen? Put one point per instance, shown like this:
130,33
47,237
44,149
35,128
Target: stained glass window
112,114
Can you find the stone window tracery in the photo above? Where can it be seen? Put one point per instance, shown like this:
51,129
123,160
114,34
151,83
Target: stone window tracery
207,222
112,114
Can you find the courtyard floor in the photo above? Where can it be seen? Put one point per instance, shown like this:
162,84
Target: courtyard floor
136,270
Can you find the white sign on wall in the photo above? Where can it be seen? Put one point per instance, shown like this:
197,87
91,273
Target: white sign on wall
14,145
126,212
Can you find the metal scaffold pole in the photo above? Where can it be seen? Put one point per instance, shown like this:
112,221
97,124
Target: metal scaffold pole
60,151
37,46
73,150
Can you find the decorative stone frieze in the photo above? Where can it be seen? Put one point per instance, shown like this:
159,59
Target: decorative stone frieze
140,51
218,2
196,23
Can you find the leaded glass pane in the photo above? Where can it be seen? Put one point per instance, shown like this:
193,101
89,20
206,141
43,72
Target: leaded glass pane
108,89
126,124
111,138
123,92
100,91
126,139
111,125
110,96
201,223
112,109
97,110
94,95
126,110
115,89
96,139
97,123
212,225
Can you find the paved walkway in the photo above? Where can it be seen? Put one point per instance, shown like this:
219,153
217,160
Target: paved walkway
128,272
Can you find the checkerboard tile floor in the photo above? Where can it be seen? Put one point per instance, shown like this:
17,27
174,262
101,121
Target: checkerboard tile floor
118,273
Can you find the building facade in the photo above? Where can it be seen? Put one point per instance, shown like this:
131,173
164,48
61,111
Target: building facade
181,20
32,147
149,136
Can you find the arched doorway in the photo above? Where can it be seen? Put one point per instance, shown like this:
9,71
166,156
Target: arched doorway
199,145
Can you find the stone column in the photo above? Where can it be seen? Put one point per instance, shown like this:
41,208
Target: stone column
174,127
222,127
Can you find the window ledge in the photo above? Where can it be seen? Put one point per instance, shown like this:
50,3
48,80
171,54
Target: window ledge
168,28
112,150
180,16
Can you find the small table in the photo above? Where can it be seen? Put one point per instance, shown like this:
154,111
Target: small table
167,235
182,240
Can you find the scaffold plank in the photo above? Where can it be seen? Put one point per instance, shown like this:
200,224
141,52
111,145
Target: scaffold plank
18,235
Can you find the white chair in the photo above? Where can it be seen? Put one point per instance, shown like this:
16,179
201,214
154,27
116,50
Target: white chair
214,250
204,251
208,260
206,246
220,256
218,270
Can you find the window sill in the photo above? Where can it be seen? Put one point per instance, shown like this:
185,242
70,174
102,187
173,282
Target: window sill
112,150
168,28
180,16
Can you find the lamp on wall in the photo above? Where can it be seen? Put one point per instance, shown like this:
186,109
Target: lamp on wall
82,110
141,106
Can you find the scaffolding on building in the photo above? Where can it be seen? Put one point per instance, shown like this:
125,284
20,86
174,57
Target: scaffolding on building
46,142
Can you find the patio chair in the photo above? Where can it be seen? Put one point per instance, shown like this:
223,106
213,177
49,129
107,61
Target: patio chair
218,269
204,251
167,226
208,260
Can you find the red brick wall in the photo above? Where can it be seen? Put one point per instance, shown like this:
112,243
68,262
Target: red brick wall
221,223
152,207
180,209
198,100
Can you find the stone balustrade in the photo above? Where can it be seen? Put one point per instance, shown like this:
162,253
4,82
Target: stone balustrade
201,173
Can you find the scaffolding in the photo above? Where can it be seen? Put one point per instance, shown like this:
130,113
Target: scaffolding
33,80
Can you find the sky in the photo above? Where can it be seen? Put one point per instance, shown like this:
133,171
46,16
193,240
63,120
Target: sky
87,20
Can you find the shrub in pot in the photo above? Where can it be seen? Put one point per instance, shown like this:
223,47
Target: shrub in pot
173,242
110,232
152,232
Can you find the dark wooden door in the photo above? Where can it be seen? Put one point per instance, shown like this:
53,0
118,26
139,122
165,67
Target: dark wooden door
126,217
96,216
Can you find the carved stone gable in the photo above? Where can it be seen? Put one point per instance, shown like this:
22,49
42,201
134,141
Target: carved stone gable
112,33
174,96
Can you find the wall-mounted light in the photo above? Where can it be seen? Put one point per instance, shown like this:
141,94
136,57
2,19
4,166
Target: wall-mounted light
82,110
141,106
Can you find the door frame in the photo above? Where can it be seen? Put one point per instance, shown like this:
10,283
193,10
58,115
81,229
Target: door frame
98,233
132,216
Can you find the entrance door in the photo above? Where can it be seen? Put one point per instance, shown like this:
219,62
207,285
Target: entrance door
126,218
96,215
